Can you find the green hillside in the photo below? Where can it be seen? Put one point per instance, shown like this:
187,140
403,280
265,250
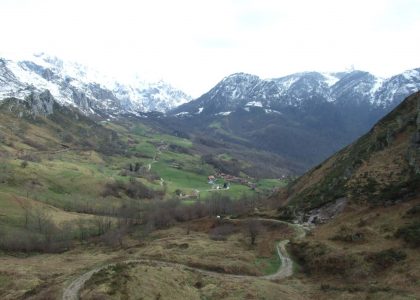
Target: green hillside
68,164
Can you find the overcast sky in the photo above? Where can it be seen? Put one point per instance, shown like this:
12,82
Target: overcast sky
195,43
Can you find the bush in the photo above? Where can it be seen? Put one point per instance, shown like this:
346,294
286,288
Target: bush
133,189
386,258
31,157
414,211
410,234
317,258
222,232
7,175
179,149
347,234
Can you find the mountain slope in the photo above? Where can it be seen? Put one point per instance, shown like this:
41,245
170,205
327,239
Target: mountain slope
365,203
381,167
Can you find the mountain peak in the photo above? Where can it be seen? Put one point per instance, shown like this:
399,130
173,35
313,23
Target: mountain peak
240,76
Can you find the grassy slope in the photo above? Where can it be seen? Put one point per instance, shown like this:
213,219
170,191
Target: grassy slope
359,254
76,157
348,270
70,159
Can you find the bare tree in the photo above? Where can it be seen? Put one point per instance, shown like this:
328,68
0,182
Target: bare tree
41,219
27,210
103,224
115,237
83,229
253,228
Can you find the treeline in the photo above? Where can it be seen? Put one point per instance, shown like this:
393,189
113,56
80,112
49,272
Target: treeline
163,214
40,233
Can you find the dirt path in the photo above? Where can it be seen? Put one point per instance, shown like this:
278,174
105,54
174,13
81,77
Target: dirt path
286,267
71,292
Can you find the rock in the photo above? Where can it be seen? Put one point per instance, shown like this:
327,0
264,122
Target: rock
41,103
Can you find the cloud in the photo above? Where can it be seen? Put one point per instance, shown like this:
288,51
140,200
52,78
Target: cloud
193,44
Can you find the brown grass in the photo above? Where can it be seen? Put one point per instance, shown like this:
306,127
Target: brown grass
397,282
151,282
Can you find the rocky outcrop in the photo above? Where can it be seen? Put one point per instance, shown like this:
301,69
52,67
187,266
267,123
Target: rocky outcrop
41,103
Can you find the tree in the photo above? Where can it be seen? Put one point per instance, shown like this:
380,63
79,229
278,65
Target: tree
103,224
115,237
83,229
253,229
27,210
42,219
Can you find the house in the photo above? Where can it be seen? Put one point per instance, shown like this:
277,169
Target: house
211,179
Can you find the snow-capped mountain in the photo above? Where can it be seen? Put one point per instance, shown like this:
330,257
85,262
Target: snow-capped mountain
76,85
302,90
302,117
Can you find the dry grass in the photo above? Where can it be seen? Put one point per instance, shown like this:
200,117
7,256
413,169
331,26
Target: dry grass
153,282
234,255
400,281
44,276
34,275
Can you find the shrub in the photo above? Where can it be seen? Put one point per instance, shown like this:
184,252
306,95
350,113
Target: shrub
347,234
410,234
316,257
7,175
31,157
133,189
179,149
222,232
386,258
414,211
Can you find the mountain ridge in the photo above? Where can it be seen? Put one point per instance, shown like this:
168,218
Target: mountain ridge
303,117
91,92
296,89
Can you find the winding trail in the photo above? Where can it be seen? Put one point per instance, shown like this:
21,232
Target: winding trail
71,292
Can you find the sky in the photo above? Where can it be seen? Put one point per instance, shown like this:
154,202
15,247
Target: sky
193,44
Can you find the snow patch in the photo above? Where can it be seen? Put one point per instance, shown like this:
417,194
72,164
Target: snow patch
378,84
200,110
224,113
411,74
182,113
286,84
254,103
330,79
272,111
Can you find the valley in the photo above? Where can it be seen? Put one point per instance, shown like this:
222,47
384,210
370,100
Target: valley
209,150
213,205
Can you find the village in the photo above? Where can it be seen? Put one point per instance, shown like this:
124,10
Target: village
227,179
